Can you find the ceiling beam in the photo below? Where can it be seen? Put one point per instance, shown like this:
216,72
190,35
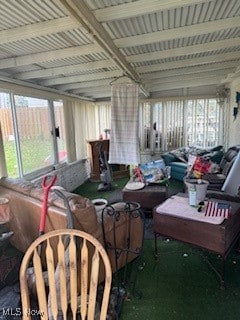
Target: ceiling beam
189,62
37,30
96,89
84,84
79,78
53,72
49,56
232,75
180,32
80,11
85,49
141,7
187,50
191,69
184,77
39,87
186,84
96,86
104,95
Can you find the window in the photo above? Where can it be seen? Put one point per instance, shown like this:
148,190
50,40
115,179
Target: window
162,125
167,125
30,134
8,134
203,122
170,124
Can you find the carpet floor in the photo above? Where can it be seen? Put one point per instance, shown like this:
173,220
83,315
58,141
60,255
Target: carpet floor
180,285
90,189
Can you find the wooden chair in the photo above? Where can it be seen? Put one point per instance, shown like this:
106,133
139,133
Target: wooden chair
73,262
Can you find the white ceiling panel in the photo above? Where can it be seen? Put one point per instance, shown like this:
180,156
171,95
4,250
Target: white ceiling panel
78,46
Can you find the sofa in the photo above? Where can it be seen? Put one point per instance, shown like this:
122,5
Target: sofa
26,198
178,159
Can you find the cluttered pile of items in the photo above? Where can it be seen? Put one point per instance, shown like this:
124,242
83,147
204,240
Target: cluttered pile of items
198,166
155,172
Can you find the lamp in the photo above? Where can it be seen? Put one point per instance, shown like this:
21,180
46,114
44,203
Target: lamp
235,109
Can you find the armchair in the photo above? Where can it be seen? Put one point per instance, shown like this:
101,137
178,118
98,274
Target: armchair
216,180
221,195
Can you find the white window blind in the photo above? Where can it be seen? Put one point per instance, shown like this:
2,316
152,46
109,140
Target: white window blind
203,122
170,124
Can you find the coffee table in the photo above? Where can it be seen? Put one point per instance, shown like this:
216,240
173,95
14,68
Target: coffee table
148,197
217,238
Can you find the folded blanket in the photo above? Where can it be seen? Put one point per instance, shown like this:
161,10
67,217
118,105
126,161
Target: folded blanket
179,207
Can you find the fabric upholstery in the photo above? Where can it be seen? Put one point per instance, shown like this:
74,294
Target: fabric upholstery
216,180
25,201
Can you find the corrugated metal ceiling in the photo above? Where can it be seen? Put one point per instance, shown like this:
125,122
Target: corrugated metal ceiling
68,45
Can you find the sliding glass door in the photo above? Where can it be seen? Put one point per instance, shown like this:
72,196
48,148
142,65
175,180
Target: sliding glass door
30,134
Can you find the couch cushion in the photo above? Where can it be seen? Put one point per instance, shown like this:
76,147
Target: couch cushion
178,170
180,154
19,185
228,157
228,167
216,180
178,166
168,158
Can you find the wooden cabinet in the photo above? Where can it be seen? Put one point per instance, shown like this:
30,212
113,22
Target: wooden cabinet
94,148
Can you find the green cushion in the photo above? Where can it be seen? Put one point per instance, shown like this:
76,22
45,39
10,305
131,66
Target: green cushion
168,158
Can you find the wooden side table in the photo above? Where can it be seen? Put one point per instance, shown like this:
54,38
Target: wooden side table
148,197
216,238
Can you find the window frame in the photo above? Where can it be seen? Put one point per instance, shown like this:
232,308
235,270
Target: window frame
47,168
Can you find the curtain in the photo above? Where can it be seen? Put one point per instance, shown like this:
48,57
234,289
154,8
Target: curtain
68,111
3,166
124,142
103,117
80,122
85,127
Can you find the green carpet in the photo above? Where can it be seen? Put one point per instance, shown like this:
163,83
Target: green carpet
90,189
180,285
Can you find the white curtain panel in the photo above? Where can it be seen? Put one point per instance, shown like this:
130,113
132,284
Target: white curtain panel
3,166
68,111
103,117
124,141
85,128
80,126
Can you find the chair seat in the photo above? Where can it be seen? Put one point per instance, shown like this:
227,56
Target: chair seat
216,180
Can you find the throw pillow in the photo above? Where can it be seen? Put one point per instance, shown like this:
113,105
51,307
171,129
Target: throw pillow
179,154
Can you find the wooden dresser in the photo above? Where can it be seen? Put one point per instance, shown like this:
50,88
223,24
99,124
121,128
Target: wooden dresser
94,147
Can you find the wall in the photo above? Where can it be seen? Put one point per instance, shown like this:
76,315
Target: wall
234,125
71,176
